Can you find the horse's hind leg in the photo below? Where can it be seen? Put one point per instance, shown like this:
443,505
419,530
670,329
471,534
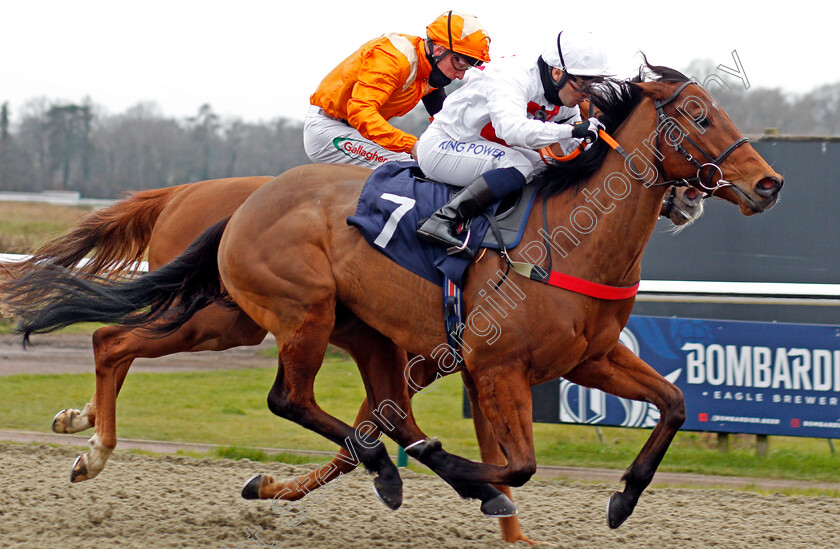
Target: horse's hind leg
73,420
623,374
292,397
116,347
111,369
122,345
294,488
352,335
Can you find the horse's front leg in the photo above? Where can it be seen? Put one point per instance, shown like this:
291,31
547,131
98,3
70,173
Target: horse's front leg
492,453
377,358
504,397
390,397
503,393
623,374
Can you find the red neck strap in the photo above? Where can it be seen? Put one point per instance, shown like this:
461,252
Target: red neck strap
591,289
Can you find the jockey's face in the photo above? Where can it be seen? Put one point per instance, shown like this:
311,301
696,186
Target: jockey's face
573,92
452,65
447,67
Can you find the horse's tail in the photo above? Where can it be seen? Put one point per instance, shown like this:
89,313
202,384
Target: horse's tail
48,298
114,239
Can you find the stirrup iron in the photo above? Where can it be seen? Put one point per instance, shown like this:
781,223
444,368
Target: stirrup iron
458,250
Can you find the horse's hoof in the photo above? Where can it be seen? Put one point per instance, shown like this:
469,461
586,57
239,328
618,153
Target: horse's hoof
70,421
617,510
80,470
59,422
251,490
388,493
499,506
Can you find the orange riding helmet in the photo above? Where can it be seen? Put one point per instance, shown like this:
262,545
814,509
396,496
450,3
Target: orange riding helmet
462,34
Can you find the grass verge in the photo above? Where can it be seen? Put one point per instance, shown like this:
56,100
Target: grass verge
26,225
228,408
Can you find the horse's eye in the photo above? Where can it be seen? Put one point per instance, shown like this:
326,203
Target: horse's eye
703,122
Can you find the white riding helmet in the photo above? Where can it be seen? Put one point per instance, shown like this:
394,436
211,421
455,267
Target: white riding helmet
576,53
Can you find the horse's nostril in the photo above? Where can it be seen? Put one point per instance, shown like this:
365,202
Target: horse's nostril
768,186
692,195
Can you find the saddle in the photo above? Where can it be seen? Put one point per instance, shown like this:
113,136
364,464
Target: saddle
397,197
510,218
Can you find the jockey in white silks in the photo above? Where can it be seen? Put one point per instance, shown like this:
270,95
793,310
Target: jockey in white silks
486,135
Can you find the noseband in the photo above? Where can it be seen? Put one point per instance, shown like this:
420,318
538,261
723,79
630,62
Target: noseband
668,203
713,163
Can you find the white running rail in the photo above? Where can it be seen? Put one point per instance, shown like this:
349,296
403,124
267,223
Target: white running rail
699,291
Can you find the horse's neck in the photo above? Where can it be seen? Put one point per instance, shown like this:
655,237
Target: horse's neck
611,252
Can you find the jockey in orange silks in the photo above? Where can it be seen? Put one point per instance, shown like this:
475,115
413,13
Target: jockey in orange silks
388,76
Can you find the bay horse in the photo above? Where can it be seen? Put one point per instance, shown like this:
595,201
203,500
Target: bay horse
295,295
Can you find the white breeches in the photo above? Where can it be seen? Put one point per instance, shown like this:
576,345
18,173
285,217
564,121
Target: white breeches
328,140
459,163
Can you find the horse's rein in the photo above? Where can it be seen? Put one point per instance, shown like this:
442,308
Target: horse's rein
714,163
546,152
561,280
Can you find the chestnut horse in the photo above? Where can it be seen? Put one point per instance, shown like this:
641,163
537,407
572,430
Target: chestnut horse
307,263
159,224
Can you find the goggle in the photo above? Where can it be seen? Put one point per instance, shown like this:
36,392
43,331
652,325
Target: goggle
463,62
581,84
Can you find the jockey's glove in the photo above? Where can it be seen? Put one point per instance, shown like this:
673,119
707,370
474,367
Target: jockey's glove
587,129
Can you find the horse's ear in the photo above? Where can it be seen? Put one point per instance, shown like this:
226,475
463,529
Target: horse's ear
660,72
639,78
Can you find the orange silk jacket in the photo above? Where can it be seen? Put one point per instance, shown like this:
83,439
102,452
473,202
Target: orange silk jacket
384,78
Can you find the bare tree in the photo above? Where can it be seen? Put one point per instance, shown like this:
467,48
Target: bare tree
68,145
204,130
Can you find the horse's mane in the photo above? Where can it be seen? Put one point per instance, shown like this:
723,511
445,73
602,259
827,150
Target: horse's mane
616,99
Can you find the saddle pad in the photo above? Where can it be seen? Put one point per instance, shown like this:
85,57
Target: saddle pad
394,200
397,197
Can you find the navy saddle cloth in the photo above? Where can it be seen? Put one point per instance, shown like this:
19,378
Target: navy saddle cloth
397,197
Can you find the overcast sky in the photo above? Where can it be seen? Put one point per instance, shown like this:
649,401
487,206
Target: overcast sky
260,59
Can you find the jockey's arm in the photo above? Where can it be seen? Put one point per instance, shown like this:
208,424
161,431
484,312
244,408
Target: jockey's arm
508,108
372,91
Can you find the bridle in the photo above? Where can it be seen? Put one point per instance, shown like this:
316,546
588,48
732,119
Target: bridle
668,203
662,119
713,163
541,274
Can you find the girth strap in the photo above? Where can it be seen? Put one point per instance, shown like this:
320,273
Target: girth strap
453,318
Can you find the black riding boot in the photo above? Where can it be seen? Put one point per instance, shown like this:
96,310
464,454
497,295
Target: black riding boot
441,228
